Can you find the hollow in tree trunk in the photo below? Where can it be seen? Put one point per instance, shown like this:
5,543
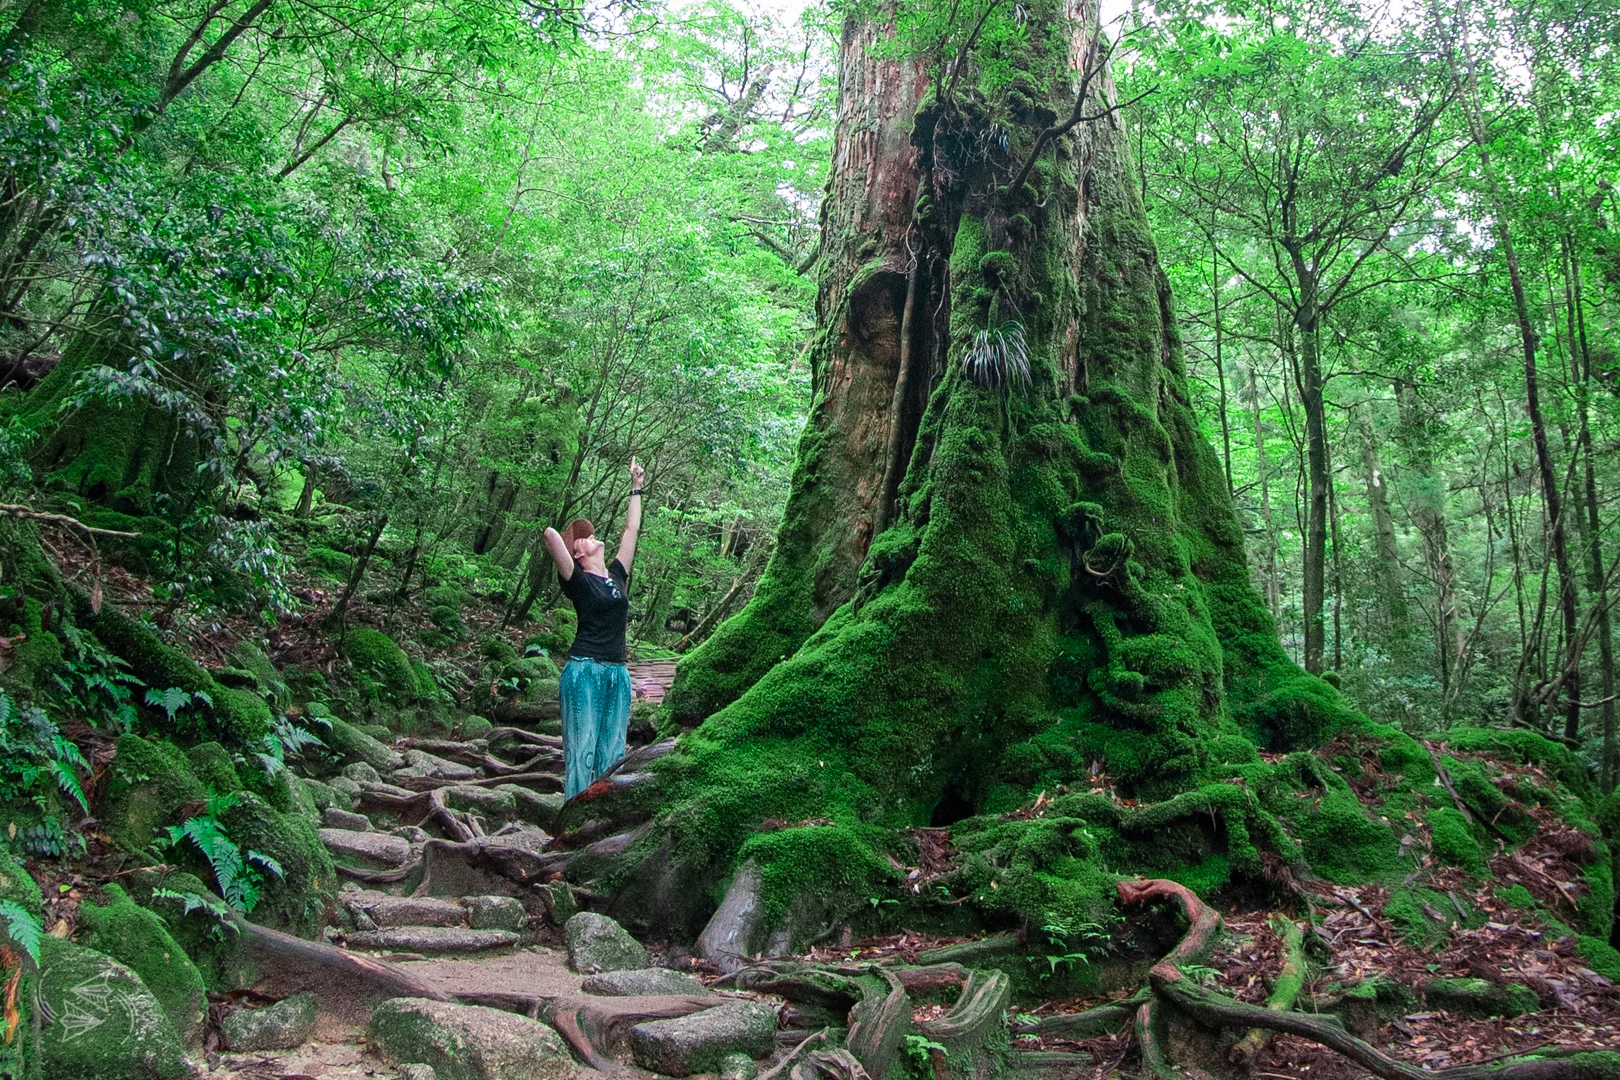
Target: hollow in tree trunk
1062,591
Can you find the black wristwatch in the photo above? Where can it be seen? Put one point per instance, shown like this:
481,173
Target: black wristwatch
635,491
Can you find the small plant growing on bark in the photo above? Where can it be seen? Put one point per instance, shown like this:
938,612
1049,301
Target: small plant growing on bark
998,358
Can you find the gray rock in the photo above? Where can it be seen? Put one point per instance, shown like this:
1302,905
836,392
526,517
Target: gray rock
737,1067
411,834
468,1042
109,1026
522,836
322,794
390,911
481,800
494,912
333,818
362,772
287,1024
646,981
597,943
432,939
345,791
532,806
420,763
381,788
351,744
377,849
417,1072
701,1041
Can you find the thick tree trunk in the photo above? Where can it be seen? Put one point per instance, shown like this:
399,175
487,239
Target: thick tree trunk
855,362
1064,578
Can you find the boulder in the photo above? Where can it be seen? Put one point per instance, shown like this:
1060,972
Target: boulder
361,772
107,1024
138,938
596,943
417,1072
375,849
738,1067
532,806
701,1041
351,744
642,982
345,792
147,784
333,818
489,802
467,1042
322,795
432,940
287,1024
419,764
494,912
294,901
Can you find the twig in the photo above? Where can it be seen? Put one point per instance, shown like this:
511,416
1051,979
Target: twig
28,513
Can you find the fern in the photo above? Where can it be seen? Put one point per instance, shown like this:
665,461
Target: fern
236,873
171,701
218,913
22,928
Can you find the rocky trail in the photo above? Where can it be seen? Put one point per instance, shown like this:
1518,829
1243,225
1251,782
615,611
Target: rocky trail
458,950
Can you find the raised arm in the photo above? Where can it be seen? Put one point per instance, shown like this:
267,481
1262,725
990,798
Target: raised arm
560,553
632,518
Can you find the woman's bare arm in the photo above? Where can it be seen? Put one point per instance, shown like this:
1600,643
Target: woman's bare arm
632,519
559,553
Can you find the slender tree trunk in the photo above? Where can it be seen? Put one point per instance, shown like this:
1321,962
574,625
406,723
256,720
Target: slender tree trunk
1311,386
1263,467
1597,584
1388,569
1220,362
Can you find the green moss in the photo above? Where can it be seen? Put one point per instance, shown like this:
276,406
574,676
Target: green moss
1528,748
1423,917
1453,841
241,716
18,886
796,862
383,664
1517,896
1595,909
1480,998
1599,955
148,782
139,940
475,727
135,1037
296,901
214,768
334,564
1345,844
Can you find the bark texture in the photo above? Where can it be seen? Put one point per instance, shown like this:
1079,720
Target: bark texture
1063,588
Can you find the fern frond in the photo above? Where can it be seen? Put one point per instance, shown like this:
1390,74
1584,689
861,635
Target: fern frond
22,928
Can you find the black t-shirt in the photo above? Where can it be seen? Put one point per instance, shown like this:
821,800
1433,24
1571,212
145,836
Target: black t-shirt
603,607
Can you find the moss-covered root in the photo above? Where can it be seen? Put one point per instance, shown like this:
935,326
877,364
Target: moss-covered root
1283,993
1176,995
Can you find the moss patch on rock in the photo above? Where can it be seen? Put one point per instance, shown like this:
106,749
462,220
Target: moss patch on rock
140,940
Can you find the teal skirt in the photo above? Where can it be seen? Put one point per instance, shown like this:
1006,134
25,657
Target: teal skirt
595,717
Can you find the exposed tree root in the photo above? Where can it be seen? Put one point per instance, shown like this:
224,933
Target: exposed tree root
1290,980
347,985
1175,996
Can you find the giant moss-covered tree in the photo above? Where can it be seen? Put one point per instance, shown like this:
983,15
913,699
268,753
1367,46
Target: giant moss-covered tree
1009,561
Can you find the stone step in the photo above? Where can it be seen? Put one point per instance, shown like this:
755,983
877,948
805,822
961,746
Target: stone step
388,912
432,940
371,848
